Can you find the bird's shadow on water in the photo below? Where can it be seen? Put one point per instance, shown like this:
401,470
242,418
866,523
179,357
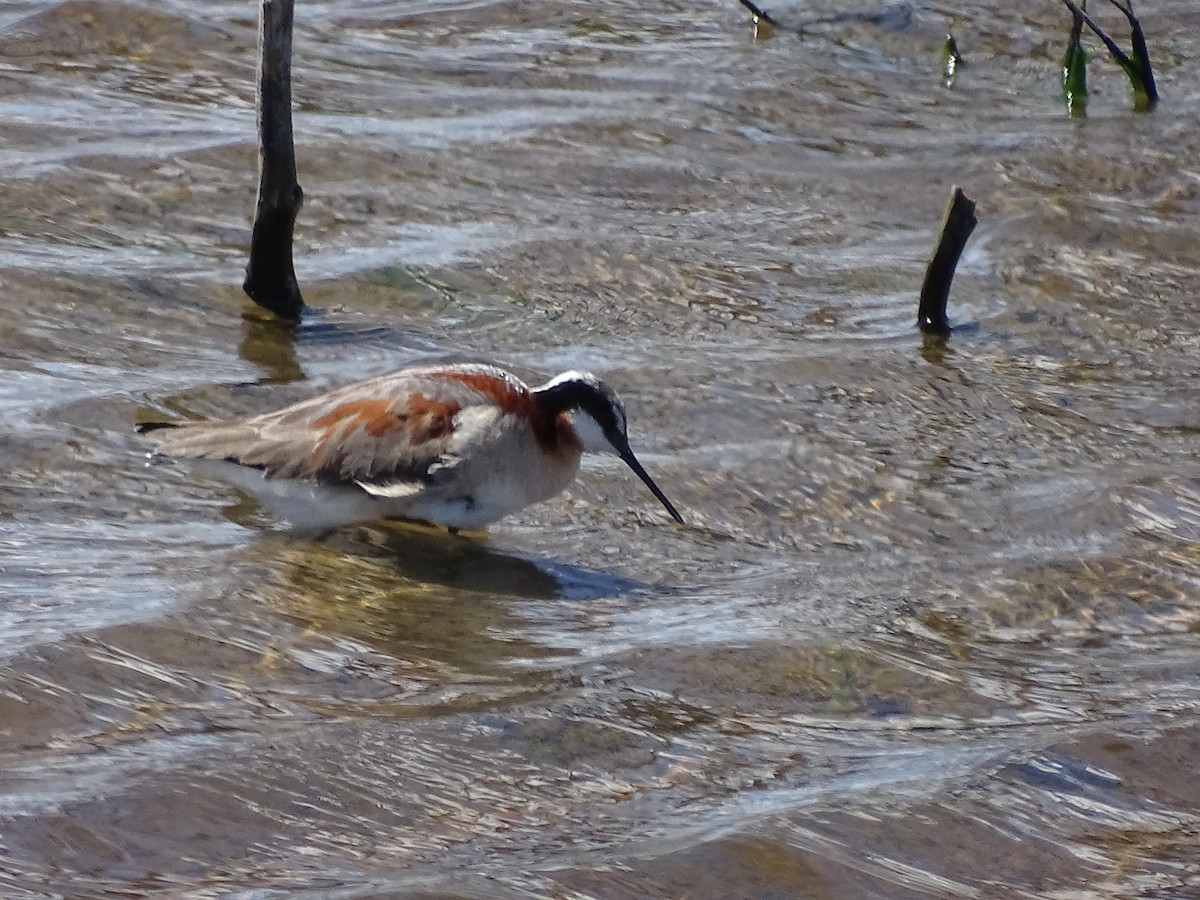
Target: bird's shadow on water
473,565
432,556
434,599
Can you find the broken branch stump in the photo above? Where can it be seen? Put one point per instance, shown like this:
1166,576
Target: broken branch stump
270,274
957,225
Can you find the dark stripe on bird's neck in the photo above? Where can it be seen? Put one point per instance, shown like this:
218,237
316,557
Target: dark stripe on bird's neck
564,396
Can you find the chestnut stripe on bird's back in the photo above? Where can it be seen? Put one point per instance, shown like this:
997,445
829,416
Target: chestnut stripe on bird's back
424,418
417,418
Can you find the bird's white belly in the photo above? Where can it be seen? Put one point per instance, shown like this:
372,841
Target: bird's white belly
461,503
304,505
469,507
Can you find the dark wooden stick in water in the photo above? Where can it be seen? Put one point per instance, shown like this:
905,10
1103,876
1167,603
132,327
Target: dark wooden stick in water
1075,66
1137,68
957,226
270,275
1141,54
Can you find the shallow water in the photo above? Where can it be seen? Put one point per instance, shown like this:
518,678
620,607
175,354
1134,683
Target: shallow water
931,628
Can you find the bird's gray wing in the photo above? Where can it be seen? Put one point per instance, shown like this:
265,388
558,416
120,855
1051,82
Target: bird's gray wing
389,435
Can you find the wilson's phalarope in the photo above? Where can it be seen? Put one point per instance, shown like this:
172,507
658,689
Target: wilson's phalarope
455,445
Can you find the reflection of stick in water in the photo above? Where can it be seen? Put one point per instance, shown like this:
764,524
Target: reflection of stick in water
270,276
957,226
1137,67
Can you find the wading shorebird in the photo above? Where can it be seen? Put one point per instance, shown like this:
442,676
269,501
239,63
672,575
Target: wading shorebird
454,445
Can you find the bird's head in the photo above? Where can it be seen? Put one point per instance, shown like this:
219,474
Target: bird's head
598,420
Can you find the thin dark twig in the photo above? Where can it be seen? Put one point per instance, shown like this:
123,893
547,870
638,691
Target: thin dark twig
1141,53
759,13
1113,48
1076,31
1074,73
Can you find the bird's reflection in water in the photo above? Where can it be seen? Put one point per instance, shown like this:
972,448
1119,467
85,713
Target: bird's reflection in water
430,598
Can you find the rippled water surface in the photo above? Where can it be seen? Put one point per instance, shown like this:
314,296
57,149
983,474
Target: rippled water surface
931,629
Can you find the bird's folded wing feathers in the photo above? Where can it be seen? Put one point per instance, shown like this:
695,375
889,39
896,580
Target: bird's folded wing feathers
389,436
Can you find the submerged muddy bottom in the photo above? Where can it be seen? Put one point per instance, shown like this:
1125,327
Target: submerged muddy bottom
931,627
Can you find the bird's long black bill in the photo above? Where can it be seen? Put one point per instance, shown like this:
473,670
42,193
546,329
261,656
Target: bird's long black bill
631,461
